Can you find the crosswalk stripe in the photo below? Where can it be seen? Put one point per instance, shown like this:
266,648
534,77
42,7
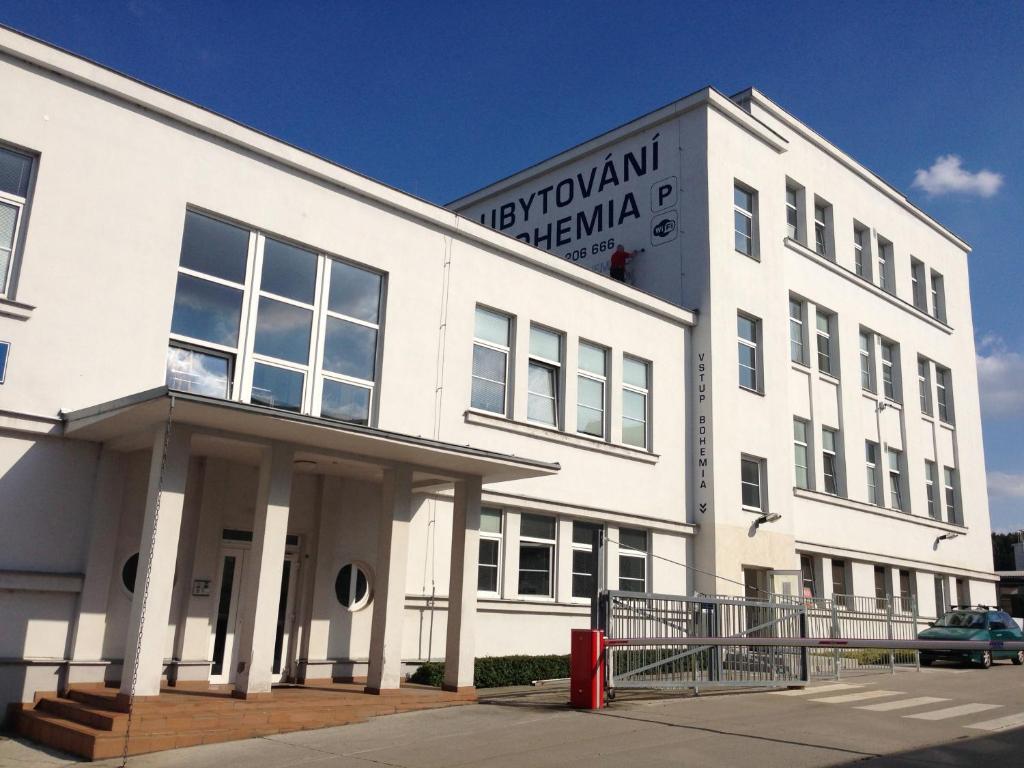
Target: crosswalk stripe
862,696
1010,721
888,706
816,690
945,714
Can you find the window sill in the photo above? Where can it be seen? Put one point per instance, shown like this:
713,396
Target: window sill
873,509
15,309
483,419
828,377
946,425
757,392
853,277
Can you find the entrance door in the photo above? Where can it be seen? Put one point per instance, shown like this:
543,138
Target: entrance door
227,624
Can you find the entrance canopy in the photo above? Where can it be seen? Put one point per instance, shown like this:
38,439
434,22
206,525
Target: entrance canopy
227,428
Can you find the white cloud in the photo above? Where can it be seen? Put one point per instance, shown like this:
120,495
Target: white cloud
1007,485
1000,378
948,176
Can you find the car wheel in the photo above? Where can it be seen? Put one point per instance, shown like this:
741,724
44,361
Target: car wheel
986,660
1018,658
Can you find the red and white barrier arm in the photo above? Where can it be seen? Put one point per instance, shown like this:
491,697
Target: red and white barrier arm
821,642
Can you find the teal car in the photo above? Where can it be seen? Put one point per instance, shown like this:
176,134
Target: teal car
981,623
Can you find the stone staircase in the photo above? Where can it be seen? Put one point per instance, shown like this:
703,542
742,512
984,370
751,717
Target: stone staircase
86,722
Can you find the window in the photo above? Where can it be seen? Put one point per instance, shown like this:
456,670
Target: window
941,595
15,176
867,360
951,493
544,384
488,578
536,555
830,459
885,265
822,230
929,487
743,220
491,340
896,480
924,385
881,593
943,393
797,335
963,593
752,483
861,252
938,297
906,591
792,214
201,373
584,559
632,560
635,392
801,454
808,582
827,362
917,285
839,588
130,572
890,371
748,339
590,389
874,489
353,593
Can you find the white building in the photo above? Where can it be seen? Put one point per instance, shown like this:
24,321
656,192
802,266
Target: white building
320,413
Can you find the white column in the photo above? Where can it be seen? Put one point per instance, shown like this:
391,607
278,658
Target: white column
324,604
263,574
91,624
158,553
385,667
563,560
461,636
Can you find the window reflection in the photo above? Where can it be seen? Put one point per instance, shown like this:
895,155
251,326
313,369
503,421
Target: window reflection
214,248
282,331
207,311
198,372
354,292
288,271
277,387
345,402
350,349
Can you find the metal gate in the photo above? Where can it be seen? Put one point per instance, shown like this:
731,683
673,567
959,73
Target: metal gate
643,633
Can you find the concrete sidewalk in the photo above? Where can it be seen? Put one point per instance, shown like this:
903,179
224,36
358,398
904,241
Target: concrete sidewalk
897,720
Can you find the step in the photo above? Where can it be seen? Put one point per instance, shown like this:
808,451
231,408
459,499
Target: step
58,733
76,711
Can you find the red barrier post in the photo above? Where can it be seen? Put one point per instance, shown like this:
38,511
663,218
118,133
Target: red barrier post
586,669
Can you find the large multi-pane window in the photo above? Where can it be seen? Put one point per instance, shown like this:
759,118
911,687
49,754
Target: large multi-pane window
748,333
871,460
797,334
827,361
544,382
885,281
635,395
950,494
584,559
792,214
269,352
896,480
917,285
867,360
591,382
924,384
492,335
929,489
489,563
536,555
752,483
743,220
15,176
890,370
801,454
938,297
861,252
632,560
830,459
944,394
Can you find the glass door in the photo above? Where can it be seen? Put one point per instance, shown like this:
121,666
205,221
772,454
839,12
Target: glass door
229,587
283,652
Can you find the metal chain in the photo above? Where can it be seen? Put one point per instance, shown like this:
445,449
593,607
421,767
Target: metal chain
145,589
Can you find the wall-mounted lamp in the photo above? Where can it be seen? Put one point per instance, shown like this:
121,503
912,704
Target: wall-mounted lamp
948,536
882,405
769,517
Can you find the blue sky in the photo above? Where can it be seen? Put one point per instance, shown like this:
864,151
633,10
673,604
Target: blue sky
439,99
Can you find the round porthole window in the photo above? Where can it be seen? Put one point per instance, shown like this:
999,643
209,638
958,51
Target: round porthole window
129,571
353,586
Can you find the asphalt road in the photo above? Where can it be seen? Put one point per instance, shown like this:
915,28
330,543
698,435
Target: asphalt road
935,717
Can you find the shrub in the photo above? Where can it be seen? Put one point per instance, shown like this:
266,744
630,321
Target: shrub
500,671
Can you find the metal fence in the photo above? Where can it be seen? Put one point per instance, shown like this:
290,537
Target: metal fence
644,619
869,618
